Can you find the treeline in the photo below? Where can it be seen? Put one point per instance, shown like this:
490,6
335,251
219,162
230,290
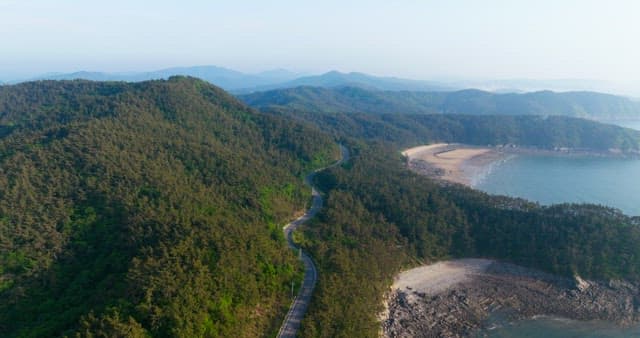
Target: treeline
405,130
345,99
149,209
155,209
380,217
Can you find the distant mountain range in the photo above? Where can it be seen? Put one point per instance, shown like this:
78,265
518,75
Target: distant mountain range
337,79
534,85
243,83
222,77
471,102
240,83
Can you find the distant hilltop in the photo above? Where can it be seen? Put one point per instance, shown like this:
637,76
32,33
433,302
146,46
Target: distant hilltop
589,105
226,78
245,83
363,93
240,82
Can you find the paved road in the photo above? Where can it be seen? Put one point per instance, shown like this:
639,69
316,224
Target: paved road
298,308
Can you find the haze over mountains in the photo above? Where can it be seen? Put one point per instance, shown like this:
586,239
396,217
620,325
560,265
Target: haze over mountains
355,79
244,83
534,85
363,93
472,102
239,82
160,160
226,78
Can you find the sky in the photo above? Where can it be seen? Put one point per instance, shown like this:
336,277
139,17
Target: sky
452,39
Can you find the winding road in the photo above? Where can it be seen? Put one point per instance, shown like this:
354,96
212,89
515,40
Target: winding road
298,308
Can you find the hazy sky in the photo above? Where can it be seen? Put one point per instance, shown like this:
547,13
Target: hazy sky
416,39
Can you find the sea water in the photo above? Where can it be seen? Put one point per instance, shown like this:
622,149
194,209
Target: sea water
550,179
551,327
613,182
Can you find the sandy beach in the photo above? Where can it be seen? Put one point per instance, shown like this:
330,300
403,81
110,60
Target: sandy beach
436,278
451,162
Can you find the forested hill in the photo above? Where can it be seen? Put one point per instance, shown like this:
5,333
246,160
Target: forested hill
404,130
155,209
380,218
144,209
470,102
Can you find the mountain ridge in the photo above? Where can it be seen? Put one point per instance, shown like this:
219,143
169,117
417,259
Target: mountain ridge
347,99
240,82
279,78
355,79
219,76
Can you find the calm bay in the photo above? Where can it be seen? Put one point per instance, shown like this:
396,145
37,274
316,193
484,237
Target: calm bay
613,182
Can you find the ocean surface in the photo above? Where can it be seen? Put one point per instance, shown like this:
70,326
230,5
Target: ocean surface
553,179
614,182
549,327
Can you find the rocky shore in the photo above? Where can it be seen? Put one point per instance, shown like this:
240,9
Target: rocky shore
426,303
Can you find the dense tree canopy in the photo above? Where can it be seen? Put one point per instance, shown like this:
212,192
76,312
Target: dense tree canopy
405,130
346,99
380,217
151,208
155,209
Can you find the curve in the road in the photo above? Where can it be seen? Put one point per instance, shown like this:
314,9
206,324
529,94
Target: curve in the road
298,308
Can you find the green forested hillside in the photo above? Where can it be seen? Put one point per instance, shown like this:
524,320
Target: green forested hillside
379,217
346,100
155,209
146,209
529,131
468,102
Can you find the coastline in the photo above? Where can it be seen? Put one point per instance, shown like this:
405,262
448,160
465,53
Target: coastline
453,162
456,298
467,164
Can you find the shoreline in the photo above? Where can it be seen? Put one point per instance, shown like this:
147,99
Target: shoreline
456,298
466,164
452,162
